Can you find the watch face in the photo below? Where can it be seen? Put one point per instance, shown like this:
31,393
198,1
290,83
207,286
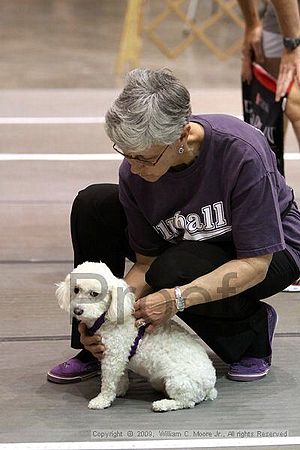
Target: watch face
291,43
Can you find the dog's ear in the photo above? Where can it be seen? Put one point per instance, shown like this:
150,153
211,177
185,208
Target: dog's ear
122,300
63,294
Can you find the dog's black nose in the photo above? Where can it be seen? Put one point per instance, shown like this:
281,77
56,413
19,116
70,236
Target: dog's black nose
78,311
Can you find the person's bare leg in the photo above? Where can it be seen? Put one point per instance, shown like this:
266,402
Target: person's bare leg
292,109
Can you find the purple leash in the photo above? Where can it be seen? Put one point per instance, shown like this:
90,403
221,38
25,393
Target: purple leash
134,346
97,324
141,332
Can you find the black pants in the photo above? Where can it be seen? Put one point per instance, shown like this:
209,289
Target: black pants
232,327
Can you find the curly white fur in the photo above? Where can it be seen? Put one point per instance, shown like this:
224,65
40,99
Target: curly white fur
171,359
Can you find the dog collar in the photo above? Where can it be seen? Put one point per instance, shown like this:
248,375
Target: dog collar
134,346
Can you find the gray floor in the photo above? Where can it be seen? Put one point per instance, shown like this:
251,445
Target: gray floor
36,253
74,44
42,78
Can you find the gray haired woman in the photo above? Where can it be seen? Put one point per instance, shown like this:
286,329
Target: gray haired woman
204,214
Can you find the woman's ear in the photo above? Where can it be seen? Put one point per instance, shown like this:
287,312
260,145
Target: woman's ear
122,300
63,294
185,132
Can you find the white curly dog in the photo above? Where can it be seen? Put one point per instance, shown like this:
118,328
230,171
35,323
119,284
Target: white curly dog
170,358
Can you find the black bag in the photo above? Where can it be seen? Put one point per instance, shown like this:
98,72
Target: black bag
261,110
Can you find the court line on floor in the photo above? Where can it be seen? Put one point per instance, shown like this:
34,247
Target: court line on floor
86,157
36,203
50,120
33,338
61,157
67,337
155,444
53,120
37,261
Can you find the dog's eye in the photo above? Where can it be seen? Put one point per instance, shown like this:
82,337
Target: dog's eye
76,290
94,293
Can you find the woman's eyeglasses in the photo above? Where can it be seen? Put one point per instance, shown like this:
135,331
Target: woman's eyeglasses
139,159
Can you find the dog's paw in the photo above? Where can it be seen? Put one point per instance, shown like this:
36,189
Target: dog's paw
171,405
163,405
99,402
121,392
122,388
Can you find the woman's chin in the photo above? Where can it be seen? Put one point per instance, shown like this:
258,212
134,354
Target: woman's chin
150,178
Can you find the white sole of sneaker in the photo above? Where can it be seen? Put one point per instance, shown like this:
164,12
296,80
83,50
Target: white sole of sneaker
247,377
61,380
292,288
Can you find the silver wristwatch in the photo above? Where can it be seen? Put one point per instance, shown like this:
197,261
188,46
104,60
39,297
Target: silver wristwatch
180,303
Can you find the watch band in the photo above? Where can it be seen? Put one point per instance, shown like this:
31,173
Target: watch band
180,303
291,43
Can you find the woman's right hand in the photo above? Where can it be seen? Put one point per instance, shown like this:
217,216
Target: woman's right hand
91,343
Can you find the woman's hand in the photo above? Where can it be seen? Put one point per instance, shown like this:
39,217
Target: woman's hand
289,69
155,309
91,343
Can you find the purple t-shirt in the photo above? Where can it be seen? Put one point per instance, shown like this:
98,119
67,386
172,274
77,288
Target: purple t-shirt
232,192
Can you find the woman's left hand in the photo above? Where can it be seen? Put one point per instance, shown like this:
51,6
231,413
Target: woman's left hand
155,309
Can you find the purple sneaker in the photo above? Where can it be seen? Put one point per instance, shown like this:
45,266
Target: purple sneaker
272,323
250,368
74,370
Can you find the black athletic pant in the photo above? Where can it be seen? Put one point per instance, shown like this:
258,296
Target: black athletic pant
232,327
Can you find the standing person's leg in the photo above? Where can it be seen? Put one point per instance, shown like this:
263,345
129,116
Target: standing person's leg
98,228
292,110
233,327
273,49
